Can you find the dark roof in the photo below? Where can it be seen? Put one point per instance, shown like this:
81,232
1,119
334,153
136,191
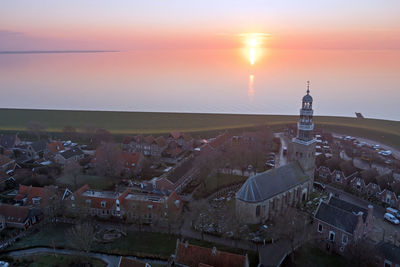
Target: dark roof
341,219
7,141
272,182
39,146
347,206
71,153
389,252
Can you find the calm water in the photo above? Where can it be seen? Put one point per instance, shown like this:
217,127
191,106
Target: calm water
222,81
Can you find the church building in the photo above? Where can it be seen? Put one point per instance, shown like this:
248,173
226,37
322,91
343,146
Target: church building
269,193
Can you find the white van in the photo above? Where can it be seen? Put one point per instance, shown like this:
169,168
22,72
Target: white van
391,218
393,212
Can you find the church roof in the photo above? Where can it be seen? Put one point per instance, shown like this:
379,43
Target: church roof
272,182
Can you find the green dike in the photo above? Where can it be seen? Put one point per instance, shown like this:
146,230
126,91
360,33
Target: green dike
121,123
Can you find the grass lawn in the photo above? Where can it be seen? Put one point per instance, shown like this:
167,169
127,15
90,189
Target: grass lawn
310,256
56,260
95,182
141,244
216,182
160,123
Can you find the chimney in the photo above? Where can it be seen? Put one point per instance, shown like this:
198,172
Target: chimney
360,216
370,210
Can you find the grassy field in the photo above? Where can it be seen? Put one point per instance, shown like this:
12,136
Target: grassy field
141,244
160,123
56,260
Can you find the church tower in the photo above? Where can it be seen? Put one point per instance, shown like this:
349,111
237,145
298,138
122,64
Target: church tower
304,143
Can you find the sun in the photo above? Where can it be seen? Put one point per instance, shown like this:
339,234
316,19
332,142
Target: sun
253,42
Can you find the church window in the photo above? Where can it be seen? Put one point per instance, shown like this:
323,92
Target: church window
258,210
320,228
331,236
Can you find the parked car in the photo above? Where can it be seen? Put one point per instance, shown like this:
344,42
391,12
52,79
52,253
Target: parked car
393,212
391,218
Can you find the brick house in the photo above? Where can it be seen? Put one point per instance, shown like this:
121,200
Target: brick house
55,147
67,156
38,149
337,223
388,197
36,196
6,163
338,177
129,205
372,189
20,217
358,185
190,255
132,162
388,255
148,146
323,173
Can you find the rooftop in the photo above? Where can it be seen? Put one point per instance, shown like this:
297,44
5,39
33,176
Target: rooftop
272,182
101,194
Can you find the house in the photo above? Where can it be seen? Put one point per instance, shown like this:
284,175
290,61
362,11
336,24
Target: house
337,223
388,197
9,141
20,217
6,163
191,255
127,262
148,146
372,189
36,196
38,149
55,147
324,173
338,177
132,162
130,205
388,254
68,156
358,185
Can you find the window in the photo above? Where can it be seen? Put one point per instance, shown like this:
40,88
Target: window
258,211
103,204
88,201
388,263
320,228
331,236
345,239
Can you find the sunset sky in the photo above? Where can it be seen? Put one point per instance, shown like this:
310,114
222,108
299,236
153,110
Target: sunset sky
127,25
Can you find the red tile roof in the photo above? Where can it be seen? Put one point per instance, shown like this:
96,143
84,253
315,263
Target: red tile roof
161,142
131,160
30,192
55,147
14,214
219,140
192,255
149,139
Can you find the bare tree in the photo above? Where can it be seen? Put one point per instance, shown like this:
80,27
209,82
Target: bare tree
36,128
73,169
361,254
81,236
69,132
292,227
108,160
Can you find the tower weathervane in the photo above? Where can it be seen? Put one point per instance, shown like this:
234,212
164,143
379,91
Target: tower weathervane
308,87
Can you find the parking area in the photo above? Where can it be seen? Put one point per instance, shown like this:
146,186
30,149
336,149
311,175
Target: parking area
384,230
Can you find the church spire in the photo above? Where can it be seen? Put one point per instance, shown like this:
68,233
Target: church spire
308,87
